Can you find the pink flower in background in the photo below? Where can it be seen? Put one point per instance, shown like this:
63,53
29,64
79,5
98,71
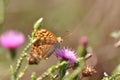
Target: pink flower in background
66,54
12,39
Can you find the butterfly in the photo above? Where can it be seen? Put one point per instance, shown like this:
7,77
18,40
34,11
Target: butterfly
43,47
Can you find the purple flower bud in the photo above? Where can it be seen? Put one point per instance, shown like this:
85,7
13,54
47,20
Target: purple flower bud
12,39
66,54
84,41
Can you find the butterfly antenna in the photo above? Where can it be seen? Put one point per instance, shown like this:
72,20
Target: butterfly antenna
66,34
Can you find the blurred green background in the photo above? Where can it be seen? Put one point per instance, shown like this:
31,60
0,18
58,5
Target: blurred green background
93,18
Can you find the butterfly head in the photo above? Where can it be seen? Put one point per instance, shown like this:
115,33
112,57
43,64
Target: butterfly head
59,39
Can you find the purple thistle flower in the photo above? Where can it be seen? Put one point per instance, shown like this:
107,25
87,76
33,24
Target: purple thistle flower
66,54
12,39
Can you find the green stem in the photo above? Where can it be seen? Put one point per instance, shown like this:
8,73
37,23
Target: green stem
53,77
76,71
37,25
33,76
24,53
62,71
115,76
12,53
20,60
52,69
23,72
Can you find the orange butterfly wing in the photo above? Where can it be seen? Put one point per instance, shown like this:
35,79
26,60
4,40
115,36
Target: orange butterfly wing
44,47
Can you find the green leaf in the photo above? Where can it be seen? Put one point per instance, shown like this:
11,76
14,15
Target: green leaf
62,71
77,78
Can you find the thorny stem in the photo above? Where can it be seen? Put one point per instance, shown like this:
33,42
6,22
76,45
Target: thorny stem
37,25
33,76
55,67
115,76
20,60
51,70
53,77
23,72
76,71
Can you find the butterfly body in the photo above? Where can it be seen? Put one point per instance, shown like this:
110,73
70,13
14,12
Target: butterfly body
44,47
